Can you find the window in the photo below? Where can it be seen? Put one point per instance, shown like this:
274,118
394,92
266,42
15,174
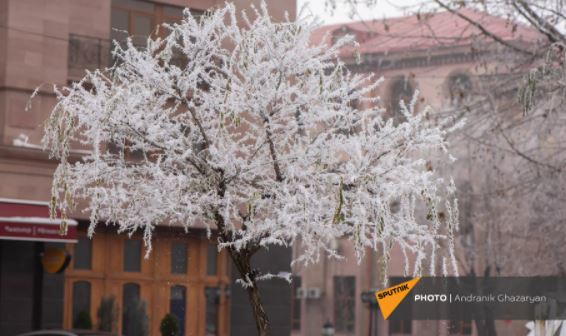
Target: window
341,33
81,303
400,327
296,307
211,260
344,303
178,258
125,150
132,255
401,90
140,19
120,24
354,103
83,253
460,327
212,300
177,304
459,87
130,305
173,14
135,18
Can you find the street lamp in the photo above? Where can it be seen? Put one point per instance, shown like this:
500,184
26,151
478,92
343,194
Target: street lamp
328,329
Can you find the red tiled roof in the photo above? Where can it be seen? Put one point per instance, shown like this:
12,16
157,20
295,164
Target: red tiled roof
442,29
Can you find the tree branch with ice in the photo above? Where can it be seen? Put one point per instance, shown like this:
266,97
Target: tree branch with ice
245,126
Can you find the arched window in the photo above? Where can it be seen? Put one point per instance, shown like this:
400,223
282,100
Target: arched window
130,303
340,33
459,89
81,304
177,304
400,89
354,103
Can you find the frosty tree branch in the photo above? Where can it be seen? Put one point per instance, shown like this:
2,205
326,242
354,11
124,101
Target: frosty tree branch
248,128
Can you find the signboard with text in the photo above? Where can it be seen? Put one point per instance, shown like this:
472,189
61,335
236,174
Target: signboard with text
29,221
36,232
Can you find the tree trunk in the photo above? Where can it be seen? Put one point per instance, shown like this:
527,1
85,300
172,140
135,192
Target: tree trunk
261,320
242,260
485,326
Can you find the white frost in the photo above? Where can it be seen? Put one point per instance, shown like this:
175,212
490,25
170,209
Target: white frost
253,130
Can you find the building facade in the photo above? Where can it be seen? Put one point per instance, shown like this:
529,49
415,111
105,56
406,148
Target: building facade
184,276
108,283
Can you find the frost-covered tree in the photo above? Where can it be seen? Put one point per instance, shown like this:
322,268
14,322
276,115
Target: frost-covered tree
240,125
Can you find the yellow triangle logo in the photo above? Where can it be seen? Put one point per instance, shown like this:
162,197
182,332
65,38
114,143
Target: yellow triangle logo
389,298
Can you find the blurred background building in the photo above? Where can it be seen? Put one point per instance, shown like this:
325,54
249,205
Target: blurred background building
448,61
107,283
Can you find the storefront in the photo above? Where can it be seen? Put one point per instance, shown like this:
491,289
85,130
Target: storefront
111,285
32,259
52,281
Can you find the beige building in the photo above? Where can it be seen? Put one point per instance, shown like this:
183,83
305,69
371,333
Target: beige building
441,56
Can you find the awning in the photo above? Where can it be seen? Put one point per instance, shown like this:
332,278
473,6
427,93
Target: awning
29,221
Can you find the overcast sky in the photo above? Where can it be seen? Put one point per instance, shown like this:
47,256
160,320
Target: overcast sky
383,9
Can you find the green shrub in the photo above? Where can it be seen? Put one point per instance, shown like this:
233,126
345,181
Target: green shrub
169,325
135,319
107,314
82,321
